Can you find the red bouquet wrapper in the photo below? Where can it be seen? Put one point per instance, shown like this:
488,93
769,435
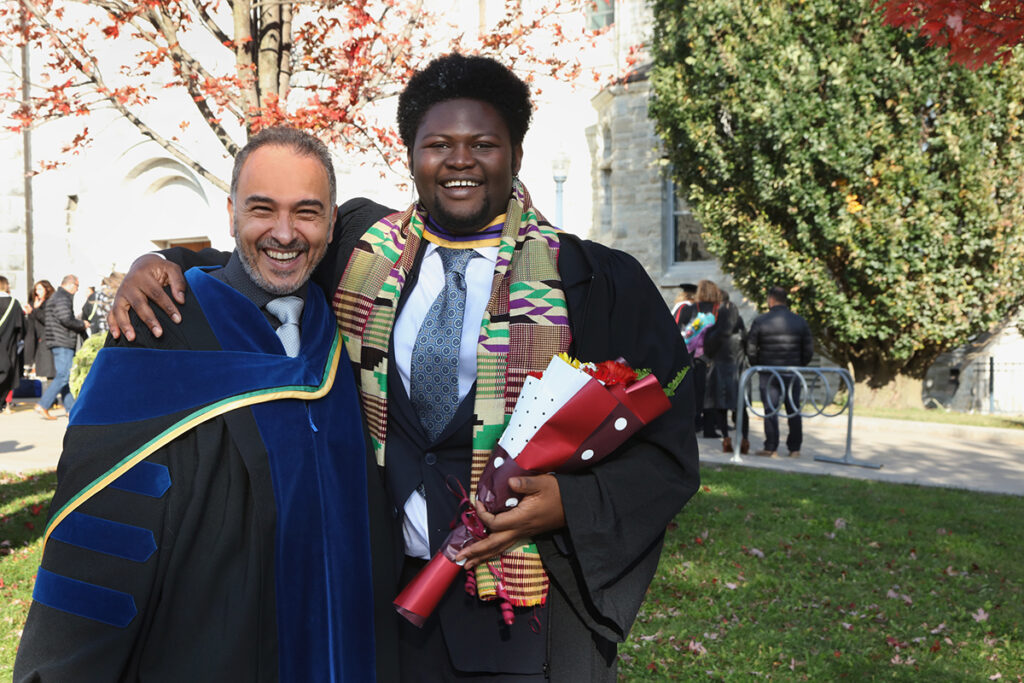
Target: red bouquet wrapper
595,421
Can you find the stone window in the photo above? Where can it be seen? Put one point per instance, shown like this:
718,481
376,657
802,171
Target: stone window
682,228
599,13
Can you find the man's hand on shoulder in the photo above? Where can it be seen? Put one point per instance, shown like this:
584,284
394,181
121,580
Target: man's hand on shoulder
145,282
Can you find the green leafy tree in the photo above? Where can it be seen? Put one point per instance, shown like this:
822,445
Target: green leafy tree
826,152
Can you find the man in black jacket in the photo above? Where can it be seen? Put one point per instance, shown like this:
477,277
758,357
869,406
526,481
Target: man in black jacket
63,330
781,338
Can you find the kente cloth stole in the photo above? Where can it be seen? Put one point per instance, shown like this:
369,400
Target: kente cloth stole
525,324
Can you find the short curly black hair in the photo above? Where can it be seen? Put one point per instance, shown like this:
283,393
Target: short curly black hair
457,76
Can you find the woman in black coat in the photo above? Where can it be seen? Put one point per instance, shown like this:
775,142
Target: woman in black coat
724,347
37,353
707,300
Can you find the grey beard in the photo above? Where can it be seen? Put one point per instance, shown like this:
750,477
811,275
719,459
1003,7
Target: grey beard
254,273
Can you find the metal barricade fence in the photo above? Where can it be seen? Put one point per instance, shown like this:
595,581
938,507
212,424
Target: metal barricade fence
816,392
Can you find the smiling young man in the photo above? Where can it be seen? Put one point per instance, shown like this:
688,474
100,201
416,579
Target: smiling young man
210,520
473,278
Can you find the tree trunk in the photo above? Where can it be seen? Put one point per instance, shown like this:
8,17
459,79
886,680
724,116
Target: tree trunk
269,60
243,58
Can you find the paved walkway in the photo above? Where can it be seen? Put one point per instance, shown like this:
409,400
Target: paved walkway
930,454
28,442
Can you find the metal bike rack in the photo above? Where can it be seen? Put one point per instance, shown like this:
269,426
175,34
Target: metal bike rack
787,399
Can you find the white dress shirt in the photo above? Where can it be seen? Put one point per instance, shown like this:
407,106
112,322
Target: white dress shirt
479,277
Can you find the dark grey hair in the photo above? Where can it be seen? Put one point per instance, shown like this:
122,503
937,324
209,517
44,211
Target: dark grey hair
296,140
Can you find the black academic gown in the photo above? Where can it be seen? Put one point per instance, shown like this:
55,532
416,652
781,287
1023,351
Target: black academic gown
11,331
238,549
616,511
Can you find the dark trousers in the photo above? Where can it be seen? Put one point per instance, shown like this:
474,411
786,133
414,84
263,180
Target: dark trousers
771,397
423,653
722,421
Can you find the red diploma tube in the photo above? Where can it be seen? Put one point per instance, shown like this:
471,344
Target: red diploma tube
417,601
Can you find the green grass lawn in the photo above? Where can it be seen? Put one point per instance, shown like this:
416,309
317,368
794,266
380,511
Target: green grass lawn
921,415
24,503
766,576
776,576
937,415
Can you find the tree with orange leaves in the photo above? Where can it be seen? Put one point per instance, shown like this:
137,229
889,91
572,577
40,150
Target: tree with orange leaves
246,64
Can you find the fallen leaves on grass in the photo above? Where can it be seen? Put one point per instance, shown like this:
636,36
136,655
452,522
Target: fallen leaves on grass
980,616
893,594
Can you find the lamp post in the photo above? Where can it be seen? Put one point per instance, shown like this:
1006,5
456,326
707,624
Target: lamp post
559,171
26,154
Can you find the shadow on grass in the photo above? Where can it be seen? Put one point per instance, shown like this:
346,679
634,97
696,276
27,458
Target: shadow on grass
24,507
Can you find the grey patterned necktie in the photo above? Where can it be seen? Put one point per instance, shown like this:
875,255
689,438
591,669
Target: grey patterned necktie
434,368
287,309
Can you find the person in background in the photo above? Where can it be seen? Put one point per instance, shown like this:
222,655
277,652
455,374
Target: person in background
90,312
105,299
38,360
724,348
780,337
684,298
12,325
706,300
63,331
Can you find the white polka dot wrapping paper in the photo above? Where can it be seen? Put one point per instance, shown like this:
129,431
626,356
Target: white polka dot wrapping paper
564,421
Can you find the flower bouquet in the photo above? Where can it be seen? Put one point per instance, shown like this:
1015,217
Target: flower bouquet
694,333
568,417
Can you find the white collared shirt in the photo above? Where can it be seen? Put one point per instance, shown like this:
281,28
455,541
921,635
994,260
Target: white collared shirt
479,277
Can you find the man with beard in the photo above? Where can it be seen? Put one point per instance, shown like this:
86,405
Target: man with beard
445,307
210,521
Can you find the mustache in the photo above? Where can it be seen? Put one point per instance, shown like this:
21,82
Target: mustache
296,244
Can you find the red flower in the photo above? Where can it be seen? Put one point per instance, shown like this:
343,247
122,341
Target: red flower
612,372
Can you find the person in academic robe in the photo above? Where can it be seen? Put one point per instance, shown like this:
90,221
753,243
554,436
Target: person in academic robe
580,550
12,328
210,519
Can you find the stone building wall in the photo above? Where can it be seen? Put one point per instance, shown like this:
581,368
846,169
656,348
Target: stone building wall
634,201
627,177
